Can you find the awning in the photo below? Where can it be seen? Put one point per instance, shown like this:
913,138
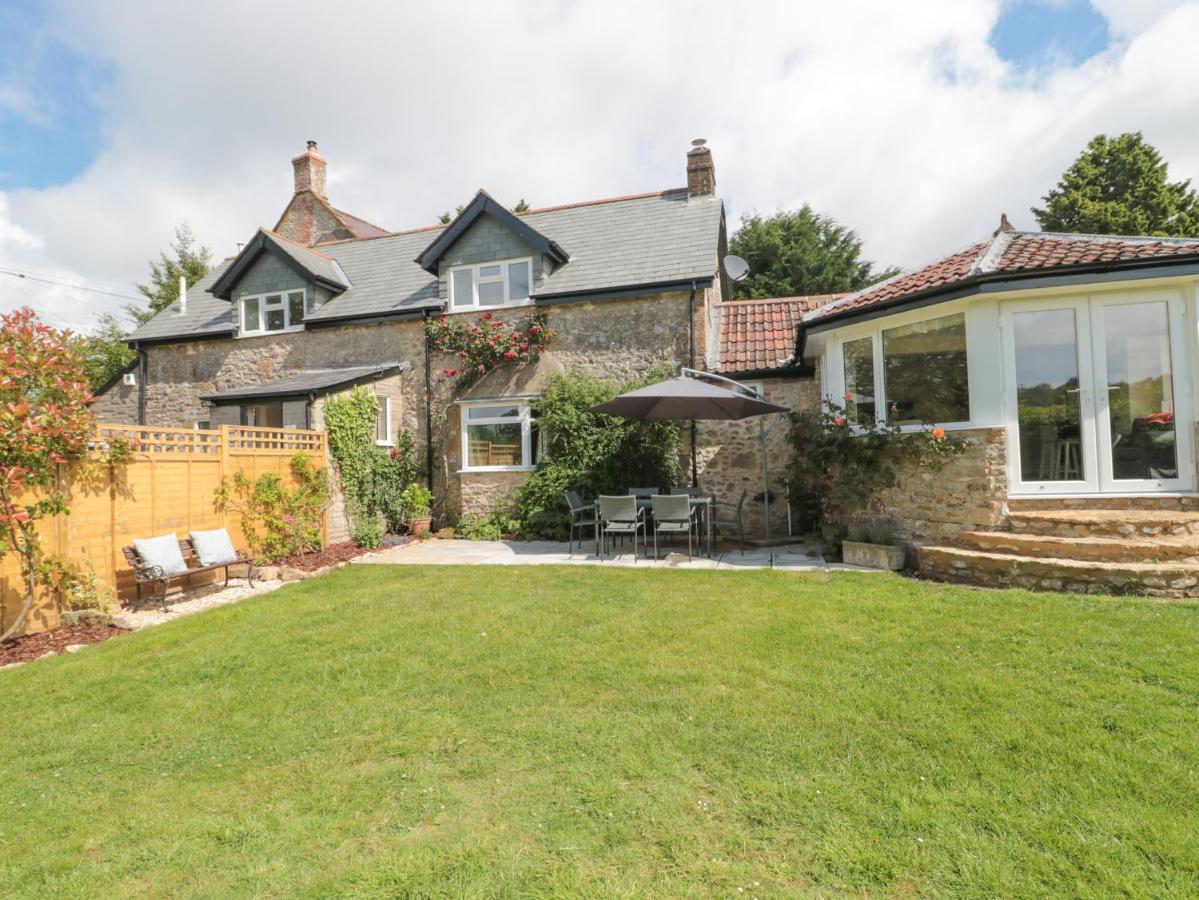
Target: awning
309,382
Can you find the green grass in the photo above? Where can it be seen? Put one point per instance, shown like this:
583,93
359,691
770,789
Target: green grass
559,731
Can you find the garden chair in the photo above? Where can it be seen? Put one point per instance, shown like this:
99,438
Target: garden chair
673,514
620,516
582,515
730,515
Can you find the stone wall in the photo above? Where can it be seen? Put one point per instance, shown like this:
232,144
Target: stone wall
967,493
730,456
117,405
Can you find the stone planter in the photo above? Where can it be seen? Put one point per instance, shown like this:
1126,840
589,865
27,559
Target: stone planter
420,527
873,556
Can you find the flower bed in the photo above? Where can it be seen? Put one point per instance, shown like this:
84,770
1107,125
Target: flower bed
329,556
56,640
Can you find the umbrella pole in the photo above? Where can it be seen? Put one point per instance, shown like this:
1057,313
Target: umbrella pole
765,476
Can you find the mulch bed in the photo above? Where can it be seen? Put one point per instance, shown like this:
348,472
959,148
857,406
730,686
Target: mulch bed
31,646
330,556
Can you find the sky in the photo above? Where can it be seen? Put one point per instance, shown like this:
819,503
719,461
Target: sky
914,123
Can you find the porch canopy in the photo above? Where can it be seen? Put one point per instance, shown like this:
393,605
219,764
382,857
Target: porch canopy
691,396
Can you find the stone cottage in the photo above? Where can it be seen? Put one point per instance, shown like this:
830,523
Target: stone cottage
325,300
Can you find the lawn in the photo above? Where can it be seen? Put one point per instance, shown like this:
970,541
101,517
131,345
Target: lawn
475,731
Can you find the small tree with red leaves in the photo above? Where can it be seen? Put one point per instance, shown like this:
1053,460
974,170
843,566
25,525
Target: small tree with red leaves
45,422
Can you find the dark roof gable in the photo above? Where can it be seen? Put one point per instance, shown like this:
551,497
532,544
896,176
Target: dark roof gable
484,204
309,264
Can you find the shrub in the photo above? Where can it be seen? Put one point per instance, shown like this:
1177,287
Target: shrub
45,422
279,520
368,533
490,527
416,500
592,454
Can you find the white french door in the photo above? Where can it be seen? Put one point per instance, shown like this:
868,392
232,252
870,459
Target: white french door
1096,395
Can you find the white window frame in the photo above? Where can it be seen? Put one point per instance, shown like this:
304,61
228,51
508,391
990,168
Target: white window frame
525,419
385,408
474,268
261,330
874,330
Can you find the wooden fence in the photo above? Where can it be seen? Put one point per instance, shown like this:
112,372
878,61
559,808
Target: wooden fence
168,485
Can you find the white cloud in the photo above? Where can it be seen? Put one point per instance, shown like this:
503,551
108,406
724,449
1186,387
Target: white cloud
899,119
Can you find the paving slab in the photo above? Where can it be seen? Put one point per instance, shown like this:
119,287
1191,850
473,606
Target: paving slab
790,557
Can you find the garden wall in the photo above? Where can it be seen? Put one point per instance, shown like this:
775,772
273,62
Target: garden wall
168,485
968,492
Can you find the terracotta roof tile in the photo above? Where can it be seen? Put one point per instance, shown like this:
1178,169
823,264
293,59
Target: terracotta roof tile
759,335
1009,252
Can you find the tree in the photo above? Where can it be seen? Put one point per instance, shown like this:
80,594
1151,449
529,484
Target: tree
1119,186
163,288
105,352
44,422
800,252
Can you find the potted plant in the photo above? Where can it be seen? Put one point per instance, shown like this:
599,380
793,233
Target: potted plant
417,499
872,545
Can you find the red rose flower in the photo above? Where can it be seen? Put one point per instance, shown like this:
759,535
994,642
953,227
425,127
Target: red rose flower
509,355
535,329
840,420
486,316
482,368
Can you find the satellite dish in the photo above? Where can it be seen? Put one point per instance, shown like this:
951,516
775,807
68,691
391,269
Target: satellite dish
735,267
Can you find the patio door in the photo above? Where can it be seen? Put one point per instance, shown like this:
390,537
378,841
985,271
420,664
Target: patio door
1094,389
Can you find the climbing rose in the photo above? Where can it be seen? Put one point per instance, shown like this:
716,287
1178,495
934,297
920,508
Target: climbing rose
840,420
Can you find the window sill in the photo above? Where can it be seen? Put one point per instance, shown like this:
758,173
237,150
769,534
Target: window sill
925,429
491,309
470,470
384,444
258,334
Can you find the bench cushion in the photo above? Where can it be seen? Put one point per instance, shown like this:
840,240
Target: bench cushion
162,551
213,547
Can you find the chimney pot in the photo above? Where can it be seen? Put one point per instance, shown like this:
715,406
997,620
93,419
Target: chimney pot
309,168
701,171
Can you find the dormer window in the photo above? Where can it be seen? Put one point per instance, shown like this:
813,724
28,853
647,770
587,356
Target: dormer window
491,284
272,313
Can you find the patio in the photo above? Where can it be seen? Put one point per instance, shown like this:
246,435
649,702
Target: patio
789,557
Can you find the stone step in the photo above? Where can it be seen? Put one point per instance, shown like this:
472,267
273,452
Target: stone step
1104,522
1101,549
959,564
1178,502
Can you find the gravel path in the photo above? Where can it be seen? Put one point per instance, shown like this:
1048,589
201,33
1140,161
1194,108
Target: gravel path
147,614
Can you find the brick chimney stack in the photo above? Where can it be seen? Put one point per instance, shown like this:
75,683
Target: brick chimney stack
309,169
701,171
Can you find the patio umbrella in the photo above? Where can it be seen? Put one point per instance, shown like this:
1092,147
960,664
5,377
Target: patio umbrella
689,397
686,398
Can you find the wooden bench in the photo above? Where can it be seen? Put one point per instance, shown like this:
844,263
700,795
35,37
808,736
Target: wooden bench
143,574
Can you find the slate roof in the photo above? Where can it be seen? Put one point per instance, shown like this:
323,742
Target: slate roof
759,335
640,241
206,316
313,264
1010,254
315,381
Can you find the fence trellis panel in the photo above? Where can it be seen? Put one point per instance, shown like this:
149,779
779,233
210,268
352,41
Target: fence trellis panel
168,485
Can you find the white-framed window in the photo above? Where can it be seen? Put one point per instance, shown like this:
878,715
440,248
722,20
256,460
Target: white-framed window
906,374
383,422
491,285
499,435
272,313
202,425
